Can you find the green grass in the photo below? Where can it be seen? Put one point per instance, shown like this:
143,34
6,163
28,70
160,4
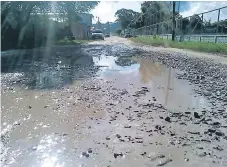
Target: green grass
71,42
197,46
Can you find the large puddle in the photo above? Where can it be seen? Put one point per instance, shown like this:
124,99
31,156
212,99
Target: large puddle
134,72
113,64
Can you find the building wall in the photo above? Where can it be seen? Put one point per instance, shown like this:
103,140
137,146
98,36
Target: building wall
78,30
81,29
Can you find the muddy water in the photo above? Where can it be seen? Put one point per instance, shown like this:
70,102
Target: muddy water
60,114
162,81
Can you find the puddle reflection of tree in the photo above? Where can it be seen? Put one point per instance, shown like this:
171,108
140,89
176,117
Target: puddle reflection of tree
148,69
168,86
58,72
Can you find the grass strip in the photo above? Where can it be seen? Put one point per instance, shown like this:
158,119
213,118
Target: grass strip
196,46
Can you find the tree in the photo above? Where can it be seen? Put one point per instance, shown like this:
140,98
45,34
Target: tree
125,17
218,27
72,8
154,12
16,18
195,23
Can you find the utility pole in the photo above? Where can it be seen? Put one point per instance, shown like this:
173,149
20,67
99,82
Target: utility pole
99,24
174,21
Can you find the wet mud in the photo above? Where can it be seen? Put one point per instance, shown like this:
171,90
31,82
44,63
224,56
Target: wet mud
108,104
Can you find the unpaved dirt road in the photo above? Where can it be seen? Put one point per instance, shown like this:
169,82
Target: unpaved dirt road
110,103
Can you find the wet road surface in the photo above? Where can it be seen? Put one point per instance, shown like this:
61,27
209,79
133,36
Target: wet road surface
111,104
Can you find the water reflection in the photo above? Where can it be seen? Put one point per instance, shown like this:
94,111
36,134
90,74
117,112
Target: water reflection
46,151
40,74
160,79
50,162
53,78
148,69
168,86
111,65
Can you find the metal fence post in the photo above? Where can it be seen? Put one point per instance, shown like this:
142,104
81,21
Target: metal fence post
216,38
201,24
190,25
218,20
173,33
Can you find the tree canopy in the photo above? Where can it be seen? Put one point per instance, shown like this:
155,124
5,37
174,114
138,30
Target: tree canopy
18,18
125,17
152,12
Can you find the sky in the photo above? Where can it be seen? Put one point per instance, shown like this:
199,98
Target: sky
106,9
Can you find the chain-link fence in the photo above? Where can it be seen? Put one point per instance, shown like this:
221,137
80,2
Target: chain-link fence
208,26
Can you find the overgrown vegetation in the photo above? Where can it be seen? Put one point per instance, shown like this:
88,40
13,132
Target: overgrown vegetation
28,24
197,46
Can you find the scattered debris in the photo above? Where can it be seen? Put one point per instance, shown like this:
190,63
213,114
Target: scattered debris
117,155
164,162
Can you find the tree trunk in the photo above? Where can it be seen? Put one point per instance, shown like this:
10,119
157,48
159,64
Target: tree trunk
23,22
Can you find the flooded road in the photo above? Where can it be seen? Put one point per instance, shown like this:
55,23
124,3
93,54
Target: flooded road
108,104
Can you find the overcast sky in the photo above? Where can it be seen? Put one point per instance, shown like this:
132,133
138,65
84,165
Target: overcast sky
106,9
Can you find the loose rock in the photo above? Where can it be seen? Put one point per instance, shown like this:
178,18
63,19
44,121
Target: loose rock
196,115
84,154
89,150
164,162
117,154
167,119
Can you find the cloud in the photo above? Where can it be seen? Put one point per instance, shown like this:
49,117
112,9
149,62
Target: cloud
106,9
199,7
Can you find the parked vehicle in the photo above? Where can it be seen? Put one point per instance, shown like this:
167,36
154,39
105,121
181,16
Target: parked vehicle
98,34
107,35
128,35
